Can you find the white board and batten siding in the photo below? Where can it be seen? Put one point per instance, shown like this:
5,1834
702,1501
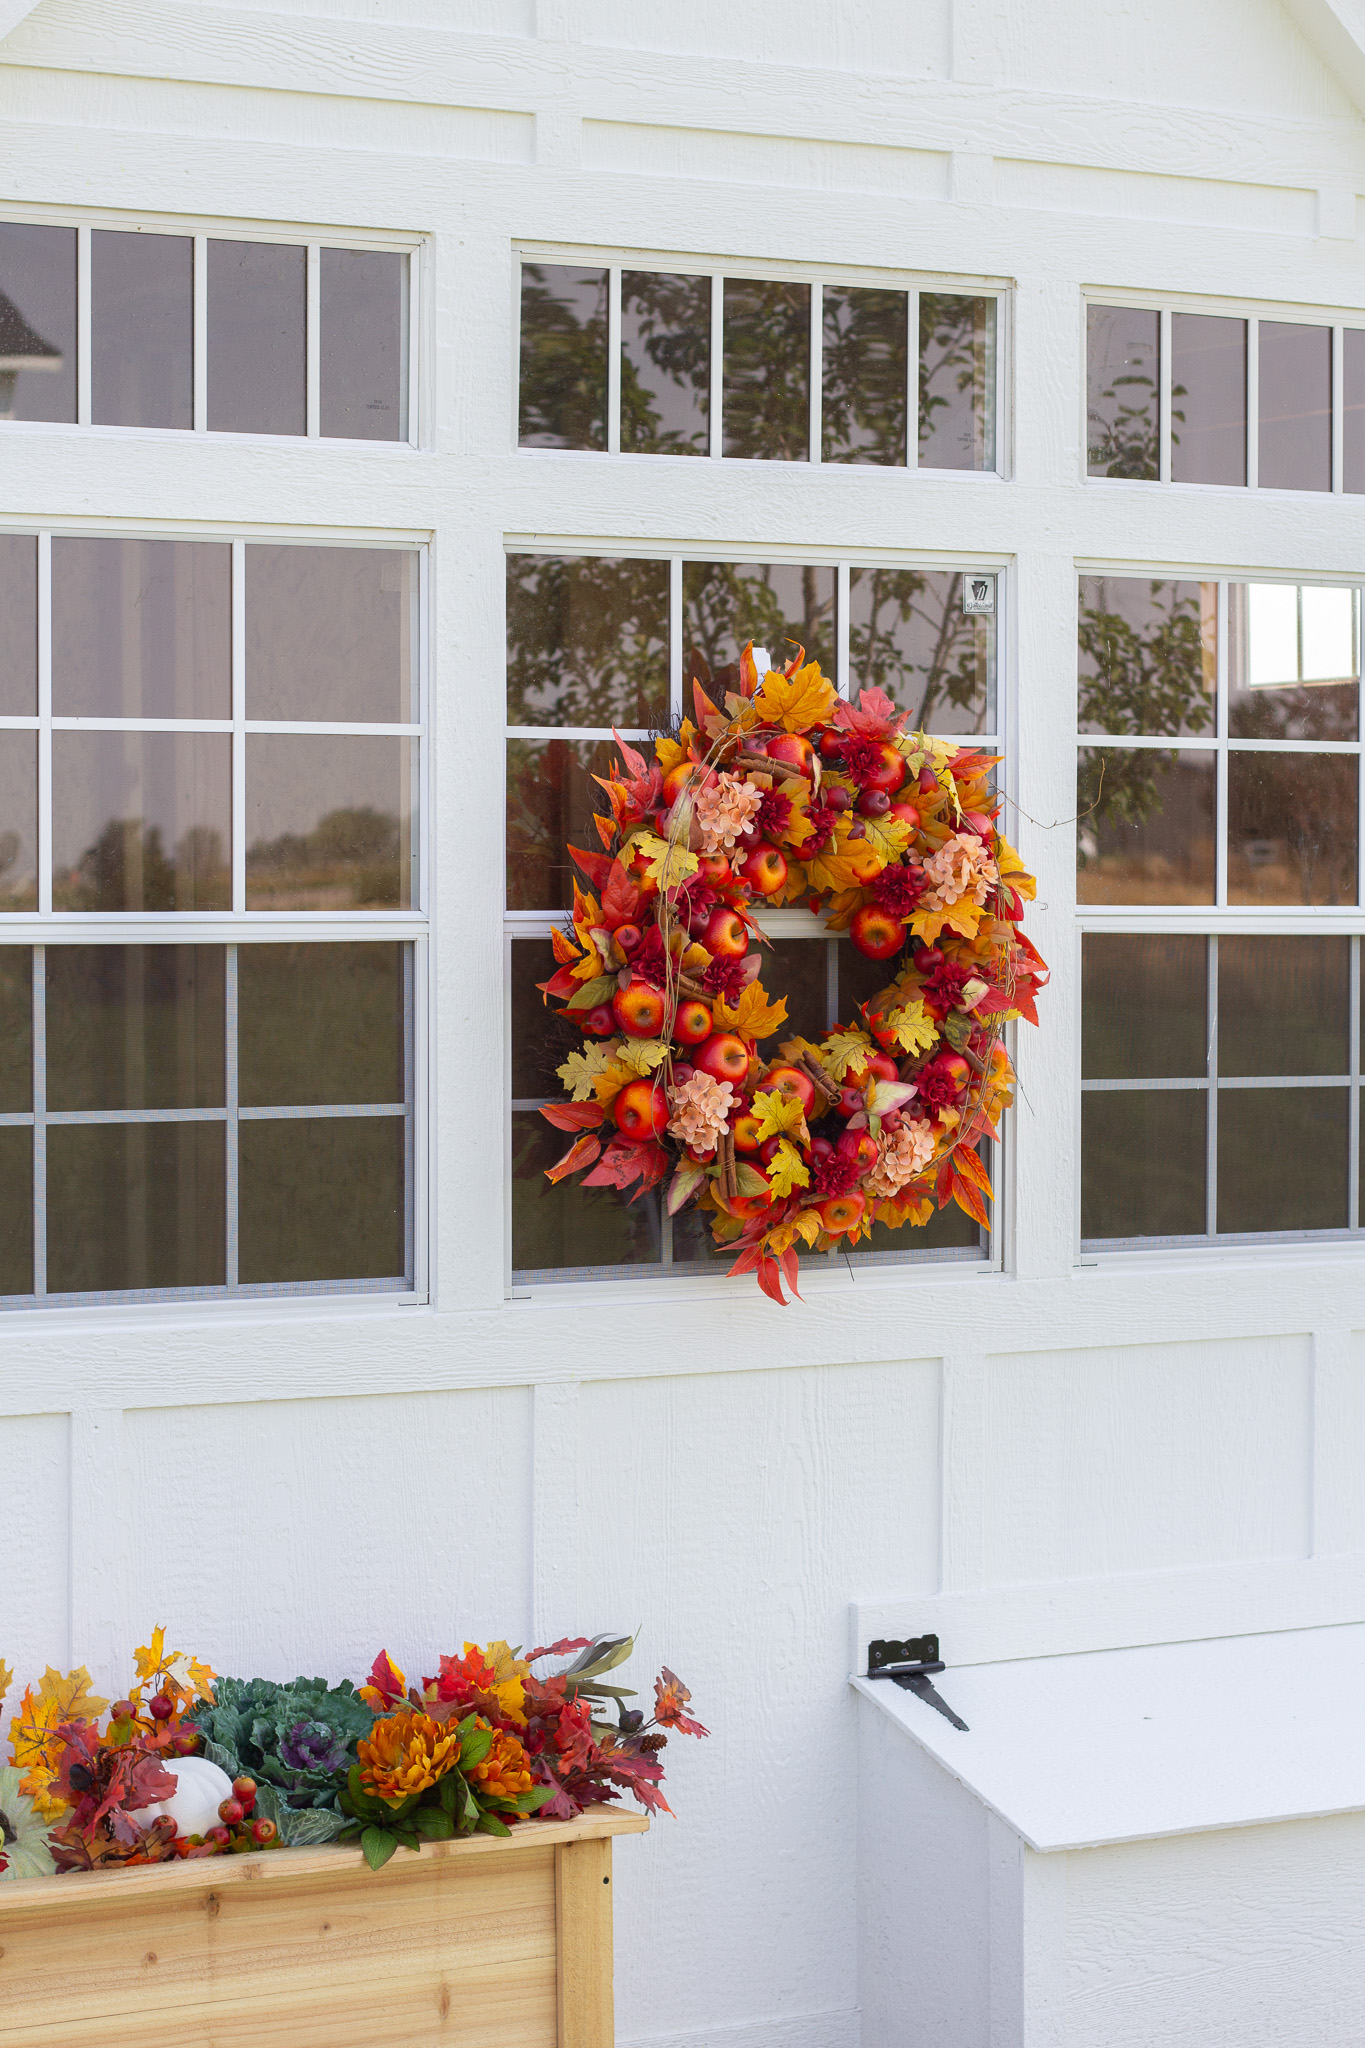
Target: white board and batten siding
1053,1457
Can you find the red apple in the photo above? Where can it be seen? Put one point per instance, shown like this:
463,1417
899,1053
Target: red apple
682,1073
641,1111
639,1010
850,1102
749,1205
841,1213
692,1024
765,869
161,1708
836,799
769,1150
714,869
724,1057
220,1836
677,780
889,773
907,815
928,782
599,1023
726,934
860,1147
231,1812
244,1791
873,803
746,1129
628,938
264,1833
791,1081
880,1064
927,959
876,933
832,745
821,1148
796,751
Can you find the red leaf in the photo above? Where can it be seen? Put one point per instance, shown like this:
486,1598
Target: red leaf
574,1116
561,983
559,1649
969,1167
636,763
606,829
746,1262
968,1197
770,1280
704,707
620,1165
791,1266
620,897
595,866
581,1153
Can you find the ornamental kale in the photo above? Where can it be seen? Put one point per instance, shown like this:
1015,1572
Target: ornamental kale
298,1741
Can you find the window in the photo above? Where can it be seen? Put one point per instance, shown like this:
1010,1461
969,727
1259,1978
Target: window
1220,763
197,1092
1212,398
669,362
600,644
296,338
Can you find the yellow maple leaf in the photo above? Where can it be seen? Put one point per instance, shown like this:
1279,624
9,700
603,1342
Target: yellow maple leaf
1008,864
147,1660
608,1084
913,1028
962,917
669,862
845,1049
888,837
6,1678
787,1170
202,1679
695,957
777,1114
642,1055
808,1225
751,1015
581,1069
68,1696
797,702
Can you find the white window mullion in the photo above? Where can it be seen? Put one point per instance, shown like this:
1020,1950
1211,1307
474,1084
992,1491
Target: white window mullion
1164,429
1353,1134
614,360
1253,404
675,639
45,723
232,1100
1220,805
83,401
314,341
912,379
39,1121
843,678
717,362
239,726
817,323
1211,1132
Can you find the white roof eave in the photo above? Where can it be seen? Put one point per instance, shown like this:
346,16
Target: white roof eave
1336,29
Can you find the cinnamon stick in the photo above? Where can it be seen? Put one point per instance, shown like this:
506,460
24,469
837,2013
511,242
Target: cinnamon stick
688,987
817,1074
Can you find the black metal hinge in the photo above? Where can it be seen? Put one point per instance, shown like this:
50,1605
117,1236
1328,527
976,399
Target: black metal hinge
912,1664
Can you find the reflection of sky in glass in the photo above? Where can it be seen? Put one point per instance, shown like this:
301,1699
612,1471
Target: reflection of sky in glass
141,628
331,633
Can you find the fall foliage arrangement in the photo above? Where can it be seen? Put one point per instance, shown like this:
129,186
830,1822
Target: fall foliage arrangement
191,1765
787,795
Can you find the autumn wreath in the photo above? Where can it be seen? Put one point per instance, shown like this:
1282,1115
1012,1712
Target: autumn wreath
790,793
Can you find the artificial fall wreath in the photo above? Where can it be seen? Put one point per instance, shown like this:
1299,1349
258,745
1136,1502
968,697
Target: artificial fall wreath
790,793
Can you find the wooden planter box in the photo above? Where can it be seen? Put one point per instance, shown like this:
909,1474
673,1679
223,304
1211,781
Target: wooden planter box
476,1942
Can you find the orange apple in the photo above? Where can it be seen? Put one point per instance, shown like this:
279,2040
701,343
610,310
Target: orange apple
765,869
841,1213
639,1010
790,1081
907,814
724,1057
678,779
628,937
692,1022
876,933
726,934
865,862
641,1111
746,1129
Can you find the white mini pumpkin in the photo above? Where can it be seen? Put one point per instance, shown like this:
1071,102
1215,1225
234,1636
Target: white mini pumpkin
201,1788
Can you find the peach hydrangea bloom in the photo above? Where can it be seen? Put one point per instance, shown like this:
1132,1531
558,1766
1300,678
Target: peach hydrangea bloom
961,867
701,1110
902,1156
724,808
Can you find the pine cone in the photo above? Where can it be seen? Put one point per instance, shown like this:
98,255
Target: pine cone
654,1743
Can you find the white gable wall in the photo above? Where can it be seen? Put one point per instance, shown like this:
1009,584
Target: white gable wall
288,1487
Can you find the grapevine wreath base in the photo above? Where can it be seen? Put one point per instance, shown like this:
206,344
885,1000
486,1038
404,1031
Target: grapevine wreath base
789,794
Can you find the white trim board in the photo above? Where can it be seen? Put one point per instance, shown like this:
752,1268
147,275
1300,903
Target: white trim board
1336,29
12,12
1130,1745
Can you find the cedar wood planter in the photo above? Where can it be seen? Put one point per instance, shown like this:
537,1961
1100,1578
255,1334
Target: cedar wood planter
474,1942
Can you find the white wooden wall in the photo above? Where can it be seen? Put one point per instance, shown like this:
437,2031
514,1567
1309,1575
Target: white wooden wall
288,1488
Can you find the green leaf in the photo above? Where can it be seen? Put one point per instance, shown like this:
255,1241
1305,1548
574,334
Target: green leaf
225,1757
489,1824
475,1747
435,1824
600,989
308,1827
749,1181
603,1653
538,1796
378,1844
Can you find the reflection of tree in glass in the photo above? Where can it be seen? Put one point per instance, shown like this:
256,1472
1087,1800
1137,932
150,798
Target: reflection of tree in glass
908,635
127,868
866,338
1122,411
767,370
665,363
550,802
954,369
351,855
1149,679
587,641
563,356
1119,788
727,603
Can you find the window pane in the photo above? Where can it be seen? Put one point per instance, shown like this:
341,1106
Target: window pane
1122,379
799,970
330,823
555,1228
141,820
257,321
364,344
37,322
551,797
908,635
865,371
780,607
1282,1156
135,1027
563,356
540,1040
16,1211
587,641
766,410
18,623
1295,406
956,382
1292,828
18,821
320,1024
141,330
1143,1163
322,1198
949,1229
141,629
331,634
1284,1006
135,1205
16,1029
1144,1011
1292,662
1353,466
1208,399
665,364
1148,656
859,979
1144,829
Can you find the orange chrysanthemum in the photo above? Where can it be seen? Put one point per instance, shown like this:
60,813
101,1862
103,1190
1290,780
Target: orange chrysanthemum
405,1754
505,1772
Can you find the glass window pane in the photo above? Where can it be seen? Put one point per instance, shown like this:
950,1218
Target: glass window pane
551,798
799,970
1148,656
587,641
18,821
37,322
135,1205
865,371
665,364
257,320
1144,1163
1284,1006
16,1029
135,1027
18,624
330,822
141,820
781,607
1122,380
766,407
563,392
956,382
540,1040
141,629
1208,399
1282,1158
16,1210
141,330
1144,826
1292,828
320,1024
949,1229
322,1198
363,352
1295,406
568,1226
1144,1011
331,634
1292,662
859,979
1353,465
908,635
